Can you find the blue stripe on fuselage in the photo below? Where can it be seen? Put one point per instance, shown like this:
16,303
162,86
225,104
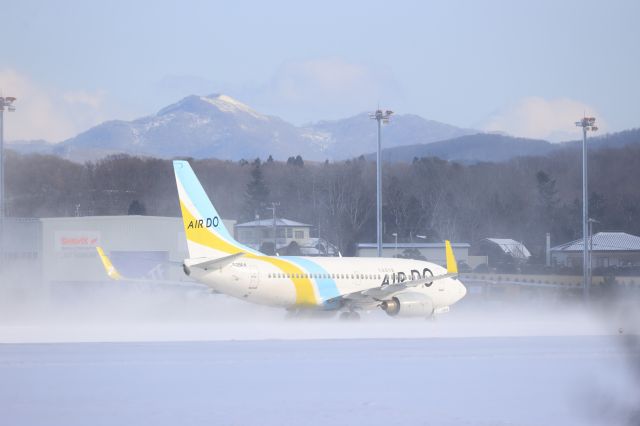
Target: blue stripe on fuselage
327,287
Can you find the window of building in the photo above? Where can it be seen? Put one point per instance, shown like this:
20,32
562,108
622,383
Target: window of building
289,233
299,235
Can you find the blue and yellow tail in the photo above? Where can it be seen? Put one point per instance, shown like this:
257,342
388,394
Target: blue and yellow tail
207,237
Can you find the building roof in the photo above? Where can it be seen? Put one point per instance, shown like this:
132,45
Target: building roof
604,241
511,247
268,222
412,245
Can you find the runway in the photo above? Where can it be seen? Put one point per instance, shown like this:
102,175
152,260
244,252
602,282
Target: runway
561,380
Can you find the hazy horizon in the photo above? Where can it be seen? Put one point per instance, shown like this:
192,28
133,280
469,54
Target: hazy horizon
528,70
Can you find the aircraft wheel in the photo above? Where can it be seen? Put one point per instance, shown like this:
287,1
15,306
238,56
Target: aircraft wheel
344,316
349,316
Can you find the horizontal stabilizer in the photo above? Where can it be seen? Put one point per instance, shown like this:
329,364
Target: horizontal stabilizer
111,270
214,263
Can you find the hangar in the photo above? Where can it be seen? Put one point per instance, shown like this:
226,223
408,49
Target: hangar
62,250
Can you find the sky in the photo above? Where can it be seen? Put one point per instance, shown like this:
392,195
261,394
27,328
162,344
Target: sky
525,68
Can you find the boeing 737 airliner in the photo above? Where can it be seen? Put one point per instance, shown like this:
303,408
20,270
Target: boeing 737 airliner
401,287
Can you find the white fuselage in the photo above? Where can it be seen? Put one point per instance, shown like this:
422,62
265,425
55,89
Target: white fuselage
319,281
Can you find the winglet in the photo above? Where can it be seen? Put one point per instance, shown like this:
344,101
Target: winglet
111,270
452,265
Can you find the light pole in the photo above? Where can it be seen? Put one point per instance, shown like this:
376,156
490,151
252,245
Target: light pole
587,124
275,239
381,117
395,234
590,270
5,102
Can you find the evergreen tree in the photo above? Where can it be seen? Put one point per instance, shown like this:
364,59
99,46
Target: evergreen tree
257,192
137,208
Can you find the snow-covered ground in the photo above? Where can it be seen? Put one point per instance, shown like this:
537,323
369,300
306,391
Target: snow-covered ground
163,358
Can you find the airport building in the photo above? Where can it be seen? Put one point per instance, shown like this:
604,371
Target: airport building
289,235
502,253
608,249
432,252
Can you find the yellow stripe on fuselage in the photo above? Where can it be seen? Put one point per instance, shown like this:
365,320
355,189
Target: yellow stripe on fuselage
305,294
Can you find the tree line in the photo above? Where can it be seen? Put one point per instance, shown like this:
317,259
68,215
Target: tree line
521,199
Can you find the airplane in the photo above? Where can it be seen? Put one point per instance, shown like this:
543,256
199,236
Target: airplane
400,287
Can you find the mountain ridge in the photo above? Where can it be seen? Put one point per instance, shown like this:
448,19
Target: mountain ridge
220,126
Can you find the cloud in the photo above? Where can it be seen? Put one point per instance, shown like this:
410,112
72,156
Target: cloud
177,86
539,118
325,88
43,113
93,100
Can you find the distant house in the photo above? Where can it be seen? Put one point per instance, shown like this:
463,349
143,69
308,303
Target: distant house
501,252
289,236
608,249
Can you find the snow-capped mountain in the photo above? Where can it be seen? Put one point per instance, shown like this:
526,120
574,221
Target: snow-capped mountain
357,135
197,126
222,127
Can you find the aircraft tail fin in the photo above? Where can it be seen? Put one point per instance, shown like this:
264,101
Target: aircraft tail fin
452,265
207,236
111,270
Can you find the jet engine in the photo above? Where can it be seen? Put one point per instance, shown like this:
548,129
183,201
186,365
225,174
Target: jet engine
408,305
186,269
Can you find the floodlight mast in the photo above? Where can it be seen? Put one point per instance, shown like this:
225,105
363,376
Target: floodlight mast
6,102
587,124
381,117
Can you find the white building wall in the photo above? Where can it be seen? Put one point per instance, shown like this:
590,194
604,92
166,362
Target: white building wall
68,244
432,254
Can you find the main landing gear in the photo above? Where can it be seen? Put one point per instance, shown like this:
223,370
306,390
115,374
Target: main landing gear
349,316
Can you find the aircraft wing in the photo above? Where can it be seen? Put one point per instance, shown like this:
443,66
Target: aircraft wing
390,289
115,275
375,295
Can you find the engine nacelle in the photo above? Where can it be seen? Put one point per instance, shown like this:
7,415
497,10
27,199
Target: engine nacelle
408,305
186,269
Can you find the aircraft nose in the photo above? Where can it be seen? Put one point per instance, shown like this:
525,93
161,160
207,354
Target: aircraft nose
462,290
